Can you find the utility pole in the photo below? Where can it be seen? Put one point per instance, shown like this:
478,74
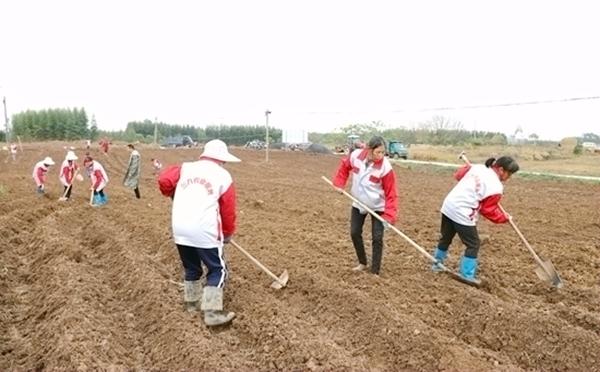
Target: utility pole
5,120
155,131
267,134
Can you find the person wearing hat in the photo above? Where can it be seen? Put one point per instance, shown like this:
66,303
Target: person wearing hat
132,175
39,173
99,180
203,220
68,170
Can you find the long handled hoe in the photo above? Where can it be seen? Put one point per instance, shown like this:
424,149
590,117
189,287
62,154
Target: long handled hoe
545,270
64,196
453,274
280,281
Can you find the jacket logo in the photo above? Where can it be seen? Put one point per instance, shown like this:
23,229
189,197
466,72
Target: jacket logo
197,181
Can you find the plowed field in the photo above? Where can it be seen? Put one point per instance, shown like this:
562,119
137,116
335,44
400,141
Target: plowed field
99,288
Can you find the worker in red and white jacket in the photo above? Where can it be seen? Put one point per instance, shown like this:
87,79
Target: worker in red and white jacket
373,184
39,173
99,180
478,191
13,151
203,219
68,169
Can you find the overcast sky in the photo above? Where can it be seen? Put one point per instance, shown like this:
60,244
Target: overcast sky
315,64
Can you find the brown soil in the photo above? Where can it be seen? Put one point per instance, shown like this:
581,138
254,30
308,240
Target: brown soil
98,288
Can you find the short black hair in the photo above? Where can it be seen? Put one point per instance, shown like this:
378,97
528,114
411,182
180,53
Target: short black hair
375,142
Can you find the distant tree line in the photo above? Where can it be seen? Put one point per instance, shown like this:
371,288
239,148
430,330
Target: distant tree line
72,124
143,131
51,124
241,134
438,131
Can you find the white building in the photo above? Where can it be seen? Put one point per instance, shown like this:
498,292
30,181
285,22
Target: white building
290,136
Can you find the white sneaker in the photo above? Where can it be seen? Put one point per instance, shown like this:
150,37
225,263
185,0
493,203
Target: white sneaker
360,267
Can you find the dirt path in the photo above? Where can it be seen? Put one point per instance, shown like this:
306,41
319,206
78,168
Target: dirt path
96,288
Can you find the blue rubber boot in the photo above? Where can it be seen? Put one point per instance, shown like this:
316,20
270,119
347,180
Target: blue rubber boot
440,256
97,200
468,269
104,199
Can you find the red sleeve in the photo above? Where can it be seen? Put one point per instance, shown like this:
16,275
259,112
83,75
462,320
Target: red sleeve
343,172
390,211
227,210
167,180
99,178
66,174
460,173
490,209
40,176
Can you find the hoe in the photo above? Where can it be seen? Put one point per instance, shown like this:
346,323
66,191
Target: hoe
422,250
545,270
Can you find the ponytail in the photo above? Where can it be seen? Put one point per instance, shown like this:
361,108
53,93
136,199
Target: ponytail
490,162
505,162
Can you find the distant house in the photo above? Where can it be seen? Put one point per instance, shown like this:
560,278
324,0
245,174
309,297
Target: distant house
590,146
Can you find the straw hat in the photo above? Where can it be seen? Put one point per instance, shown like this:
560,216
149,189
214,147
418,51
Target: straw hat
71,156
217,149
48,161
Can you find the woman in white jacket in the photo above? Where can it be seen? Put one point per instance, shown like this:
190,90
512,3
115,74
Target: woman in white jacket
478,191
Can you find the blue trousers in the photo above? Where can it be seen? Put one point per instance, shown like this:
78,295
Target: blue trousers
214,260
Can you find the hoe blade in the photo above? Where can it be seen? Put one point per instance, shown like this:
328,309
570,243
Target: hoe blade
281,280
548,273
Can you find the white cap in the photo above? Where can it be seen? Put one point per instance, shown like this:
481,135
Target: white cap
217,149
71,156
48,161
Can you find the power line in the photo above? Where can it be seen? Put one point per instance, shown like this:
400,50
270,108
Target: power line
504,104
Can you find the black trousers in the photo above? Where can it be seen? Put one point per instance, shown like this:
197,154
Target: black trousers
467,234
68,192
357,220
137,192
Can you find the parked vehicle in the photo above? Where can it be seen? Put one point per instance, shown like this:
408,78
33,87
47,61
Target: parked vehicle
178,141
397,149
256,145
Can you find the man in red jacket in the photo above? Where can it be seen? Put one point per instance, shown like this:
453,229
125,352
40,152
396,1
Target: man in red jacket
203,220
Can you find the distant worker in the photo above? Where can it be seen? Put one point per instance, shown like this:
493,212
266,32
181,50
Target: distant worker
104,142
132,175
68,171
99,180
39,174
373,184
156,165
13,151
203,220
478,191
88,144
